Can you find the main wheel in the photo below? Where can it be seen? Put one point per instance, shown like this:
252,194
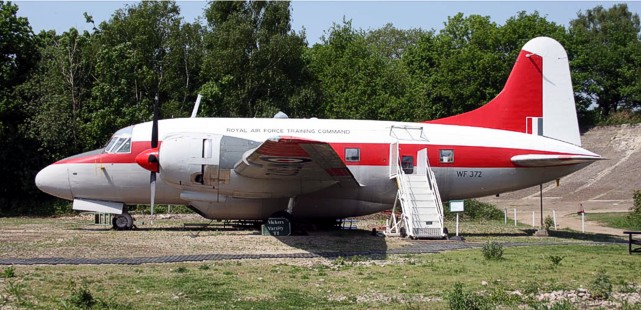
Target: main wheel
403,232
122,221
284,214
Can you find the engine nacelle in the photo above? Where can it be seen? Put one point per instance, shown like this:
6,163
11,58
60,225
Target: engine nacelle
200,160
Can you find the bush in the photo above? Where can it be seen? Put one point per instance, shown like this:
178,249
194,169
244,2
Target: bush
476,210
81,297
621,117
459,299
601,285
635,213
9,272
556,259
492,250
548,222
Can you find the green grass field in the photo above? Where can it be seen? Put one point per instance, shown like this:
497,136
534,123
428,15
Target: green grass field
615,220
423,281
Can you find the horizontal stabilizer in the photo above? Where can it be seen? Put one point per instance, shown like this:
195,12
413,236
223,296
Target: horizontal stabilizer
543,160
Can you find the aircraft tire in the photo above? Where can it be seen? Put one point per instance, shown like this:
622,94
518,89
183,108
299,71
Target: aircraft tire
122,221
403,232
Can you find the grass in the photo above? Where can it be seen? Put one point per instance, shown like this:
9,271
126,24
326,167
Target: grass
410,281
615,220
423,280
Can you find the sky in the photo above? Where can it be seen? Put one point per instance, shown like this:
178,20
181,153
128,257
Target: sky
316,17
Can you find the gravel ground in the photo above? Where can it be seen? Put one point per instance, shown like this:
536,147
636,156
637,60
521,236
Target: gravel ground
78,237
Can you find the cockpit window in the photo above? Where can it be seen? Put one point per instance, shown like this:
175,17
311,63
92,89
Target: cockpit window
120,142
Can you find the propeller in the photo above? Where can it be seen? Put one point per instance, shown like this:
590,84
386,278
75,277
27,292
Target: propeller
153,157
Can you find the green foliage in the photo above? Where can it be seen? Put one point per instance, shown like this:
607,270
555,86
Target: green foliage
548,222
621,117
181,269
634,219
601,286
18,58
9,272
636,197
605,52
16,290
254,64
81,297
358,81
476,211
555,259
492,250
460,299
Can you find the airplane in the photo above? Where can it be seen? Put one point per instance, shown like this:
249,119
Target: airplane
254,168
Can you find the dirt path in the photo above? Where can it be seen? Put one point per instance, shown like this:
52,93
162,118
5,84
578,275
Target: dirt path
566,212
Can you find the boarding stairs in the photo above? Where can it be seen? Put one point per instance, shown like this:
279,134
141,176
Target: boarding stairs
417,198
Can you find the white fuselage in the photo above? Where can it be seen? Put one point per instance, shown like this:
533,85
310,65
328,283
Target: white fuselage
479,164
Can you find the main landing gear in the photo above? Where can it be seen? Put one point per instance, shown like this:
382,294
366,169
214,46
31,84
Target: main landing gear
122,221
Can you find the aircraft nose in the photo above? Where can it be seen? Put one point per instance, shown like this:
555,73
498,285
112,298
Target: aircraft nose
54,180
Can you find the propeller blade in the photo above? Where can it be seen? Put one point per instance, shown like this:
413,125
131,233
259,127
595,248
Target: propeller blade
152,183
154,127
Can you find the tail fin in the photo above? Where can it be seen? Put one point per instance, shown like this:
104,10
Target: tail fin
537,98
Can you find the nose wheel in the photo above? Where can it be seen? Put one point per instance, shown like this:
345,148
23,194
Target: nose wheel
122,221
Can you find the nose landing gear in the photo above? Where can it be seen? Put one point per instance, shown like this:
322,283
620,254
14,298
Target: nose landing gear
122,221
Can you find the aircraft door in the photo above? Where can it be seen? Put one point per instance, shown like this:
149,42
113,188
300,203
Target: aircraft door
407,163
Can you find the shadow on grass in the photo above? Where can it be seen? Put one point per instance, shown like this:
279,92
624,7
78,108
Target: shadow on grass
520,233
570,234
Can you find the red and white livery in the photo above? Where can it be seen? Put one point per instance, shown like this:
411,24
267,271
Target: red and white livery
252,168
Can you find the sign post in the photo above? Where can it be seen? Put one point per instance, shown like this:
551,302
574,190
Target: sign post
277,226
457,206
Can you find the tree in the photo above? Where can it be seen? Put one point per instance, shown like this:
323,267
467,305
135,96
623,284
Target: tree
143,50
391,41
57,91
605,58
254,63
466,70
358,80
18,154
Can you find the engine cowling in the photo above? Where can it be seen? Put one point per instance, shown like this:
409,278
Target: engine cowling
201,160
189,159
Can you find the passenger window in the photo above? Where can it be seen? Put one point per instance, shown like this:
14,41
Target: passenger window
352,154
446,156
407,162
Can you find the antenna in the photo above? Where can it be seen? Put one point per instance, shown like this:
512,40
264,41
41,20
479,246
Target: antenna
196,106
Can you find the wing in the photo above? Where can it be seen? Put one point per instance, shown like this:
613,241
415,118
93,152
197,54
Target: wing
545,160
296,159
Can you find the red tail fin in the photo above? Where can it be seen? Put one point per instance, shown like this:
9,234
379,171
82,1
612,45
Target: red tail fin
537,97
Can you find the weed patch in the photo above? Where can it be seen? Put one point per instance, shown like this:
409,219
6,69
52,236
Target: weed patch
460,299
9,272
601,285
492,250
555,259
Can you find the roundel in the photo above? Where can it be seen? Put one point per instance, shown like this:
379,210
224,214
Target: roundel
285,160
